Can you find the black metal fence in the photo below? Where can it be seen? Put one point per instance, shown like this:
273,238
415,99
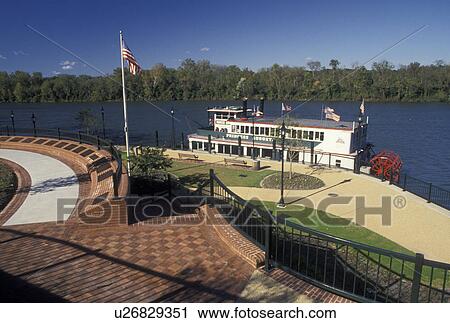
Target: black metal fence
354,270
155,139
82,138
428,191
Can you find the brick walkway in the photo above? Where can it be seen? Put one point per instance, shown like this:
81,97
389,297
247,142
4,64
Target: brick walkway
317,294
166,263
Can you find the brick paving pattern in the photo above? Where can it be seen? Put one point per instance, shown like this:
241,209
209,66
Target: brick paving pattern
142,264
317,294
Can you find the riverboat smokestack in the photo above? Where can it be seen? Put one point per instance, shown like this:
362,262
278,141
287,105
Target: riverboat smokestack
261,105
244,107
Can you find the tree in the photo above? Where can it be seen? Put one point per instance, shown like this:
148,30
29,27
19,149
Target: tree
334,63
201,80
150,162
20,93
314,66
87,120
439,62
46,92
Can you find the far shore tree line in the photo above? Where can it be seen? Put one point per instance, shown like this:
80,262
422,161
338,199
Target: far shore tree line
202,80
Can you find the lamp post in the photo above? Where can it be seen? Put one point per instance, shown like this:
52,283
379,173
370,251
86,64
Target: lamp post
12,121
103,122
173,128
33,118
283,137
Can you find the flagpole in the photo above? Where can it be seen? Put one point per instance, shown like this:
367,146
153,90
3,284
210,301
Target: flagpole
125,128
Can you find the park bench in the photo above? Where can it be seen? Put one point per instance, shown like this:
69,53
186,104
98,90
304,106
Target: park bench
187,156
236,162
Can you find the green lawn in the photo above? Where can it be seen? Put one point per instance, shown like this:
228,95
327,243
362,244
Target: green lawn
332,225
192,174
345,229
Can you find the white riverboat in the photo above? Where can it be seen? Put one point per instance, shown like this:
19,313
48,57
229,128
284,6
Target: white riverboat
240,131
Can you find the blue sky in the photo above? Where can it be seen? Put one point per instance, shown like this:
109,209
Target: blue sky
251,34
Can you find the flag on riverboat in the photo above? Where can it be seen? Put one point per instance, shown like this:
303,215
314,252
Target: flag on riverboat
333,116
285,107
328,110
129,57
362,108
256,112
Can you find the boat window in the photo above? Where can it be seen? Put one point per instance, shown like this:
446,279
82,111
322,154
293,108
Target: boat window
317,135
267,131
256,130
294,133
305,134
233,128
247,129
272,132
311,135
321,136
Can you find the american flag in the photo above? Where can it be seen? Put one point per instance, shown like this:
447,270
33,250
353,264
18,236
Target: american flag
285,107
362,108
328,110
333,116
256,112
132,63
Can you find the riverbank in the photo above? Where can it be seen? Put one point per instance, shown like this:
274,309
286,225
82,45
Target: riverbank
238,102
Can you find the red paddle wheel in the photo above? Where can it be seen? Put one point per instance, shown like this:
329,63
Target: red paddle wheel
385,164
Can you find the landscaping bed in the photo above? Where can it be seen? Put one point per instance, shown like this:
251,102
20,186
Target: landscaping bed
8,185
293,182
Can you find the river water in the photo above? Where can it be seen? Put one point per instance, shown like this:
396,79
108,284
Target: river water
418,132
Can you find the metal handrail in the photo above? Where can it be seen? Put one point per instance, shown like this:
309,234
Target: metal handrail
426,190
82,138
